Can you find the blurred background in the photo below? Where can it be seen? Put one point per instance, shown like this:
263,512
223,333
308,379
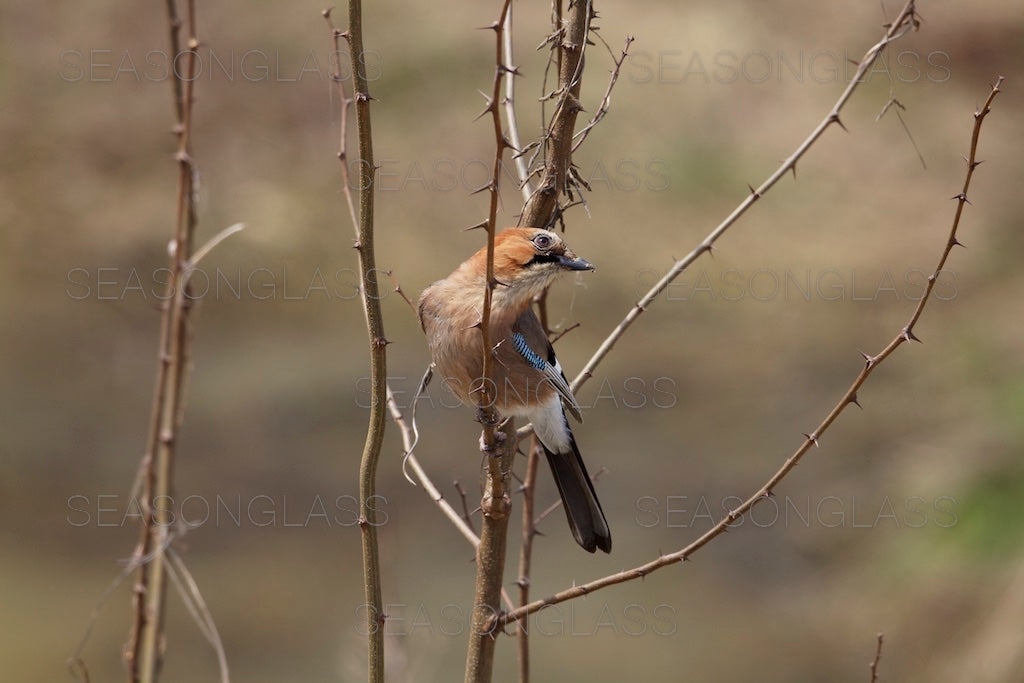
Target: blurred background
906,521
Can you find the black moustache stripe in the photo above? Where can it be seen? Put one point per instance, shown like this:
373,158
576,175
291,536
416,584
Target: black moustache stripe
544,258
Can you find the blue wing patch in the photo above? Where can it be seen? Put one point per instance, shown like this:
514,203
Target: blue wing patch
531,356
552,373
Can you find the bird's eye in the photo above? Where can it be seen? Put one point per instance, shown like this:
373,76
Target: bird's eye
543,241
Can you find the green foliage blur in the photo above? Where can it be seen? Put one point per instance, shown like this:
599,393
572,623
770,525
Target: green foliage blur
906,521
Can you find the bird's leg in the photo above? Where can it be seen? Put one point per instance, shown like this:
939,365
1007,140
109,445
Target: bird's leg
490,418
499,437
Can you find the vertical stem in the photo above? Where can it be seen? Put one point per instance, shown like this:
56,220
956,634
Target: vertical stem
490,553
490,561
369,290
144,652
541,206
526,551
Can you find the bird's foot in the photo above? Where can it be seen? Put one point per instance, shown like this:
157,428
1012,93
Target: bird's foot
492,451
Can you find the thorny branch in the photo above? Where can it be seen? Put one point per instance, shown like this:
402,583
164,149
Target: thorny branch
542,207
905,21
811,439
495,505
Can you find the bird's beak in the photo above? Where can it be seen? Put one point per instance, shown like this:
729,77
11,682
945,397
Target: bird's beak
571,261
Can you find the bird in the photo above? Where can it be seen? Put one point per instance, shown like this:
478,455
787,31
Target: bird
526,378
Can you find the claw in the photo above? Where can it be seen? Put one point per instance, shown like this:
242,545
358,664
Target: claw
499,438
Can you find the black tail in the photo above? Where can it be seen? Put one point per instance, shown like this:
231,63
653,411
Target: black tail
586,519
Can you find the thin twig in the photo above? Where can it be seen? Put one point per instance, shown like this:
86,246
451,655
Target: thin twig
606,101
409,443
397,289
197,608
904,22
466,516
873,666
344,102
810,439
564,332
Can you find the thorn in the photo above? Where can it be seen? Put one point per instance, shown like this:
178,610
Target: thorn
793,169
813,438
487,110
481,224
961,196
769,494
357,245
854,401
954,242
757,195
488,186
867,359
908,334
326,12
834,118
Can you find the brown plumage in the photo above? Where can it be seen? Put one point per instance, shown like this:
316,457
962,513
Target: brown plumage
527,379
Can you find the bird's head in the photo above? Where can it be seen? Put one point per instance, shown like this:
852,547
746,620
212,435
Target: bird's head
526,260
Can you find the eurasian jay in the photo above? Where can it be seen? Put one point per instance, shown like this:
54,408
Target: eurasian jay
526,379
